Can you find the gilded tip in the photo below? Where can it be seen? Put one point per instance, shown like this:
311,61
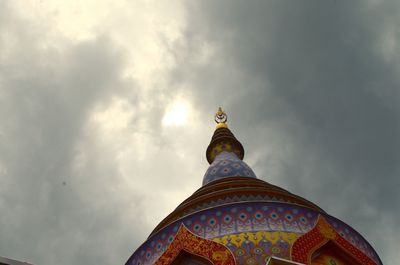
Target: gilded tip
221,118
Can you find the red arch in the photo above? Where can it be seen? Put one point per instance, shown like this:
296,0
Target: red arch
304,247
186,241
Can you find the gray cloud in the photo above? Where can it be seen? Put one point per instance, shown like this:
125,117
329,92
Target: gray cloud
312,89
46,95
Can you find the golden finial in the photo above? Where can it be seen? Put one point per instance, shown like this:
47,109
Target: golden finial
221,118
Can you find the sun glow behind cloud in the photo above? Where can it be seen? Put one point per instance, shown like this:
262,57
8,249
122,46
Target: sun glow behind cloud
176,113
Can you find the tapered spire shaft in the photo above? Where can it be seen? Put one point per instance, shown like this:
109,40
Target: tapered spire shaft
223,139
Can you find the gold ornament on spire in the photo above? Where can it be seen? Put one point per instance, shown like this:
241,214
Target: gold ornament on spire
221,118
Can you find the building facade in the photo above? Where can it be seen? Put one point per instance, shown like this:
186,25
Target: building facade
236,218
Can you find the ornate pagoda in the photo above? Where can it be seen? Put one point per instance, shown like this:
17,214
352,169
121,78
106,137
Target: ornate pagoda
236,218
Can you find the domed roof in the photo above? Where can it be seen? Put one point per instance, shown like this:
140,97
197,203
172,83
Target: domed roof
251,218
225,165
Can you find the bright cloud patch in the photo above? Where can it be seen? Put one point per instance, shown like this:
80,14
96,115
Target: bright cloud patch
176,114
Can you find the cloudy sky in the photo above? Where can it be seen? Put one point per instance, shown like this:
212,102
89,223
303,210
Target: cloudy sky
106,110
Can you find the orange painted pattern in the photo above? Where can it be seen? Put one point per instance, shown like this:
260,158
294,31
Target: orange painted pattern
307,244
185,240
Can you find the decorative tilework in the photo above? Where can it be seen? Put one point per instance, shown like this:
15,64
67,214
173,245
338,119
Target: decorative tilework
243,218
256,247
227,164
224,147
353,237
230,219
323,232
186,241
239,198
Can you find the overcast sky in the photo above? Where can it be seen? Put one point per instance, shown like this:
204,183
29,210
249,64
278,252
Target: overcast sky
106,110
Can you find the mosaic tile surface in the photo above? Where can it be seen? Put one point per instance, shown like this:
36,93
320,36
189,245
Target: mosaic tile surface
240,220
227,164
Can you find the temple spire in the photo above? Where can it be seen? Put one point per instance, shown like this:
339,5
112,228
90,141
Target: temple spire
225,153
223,139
